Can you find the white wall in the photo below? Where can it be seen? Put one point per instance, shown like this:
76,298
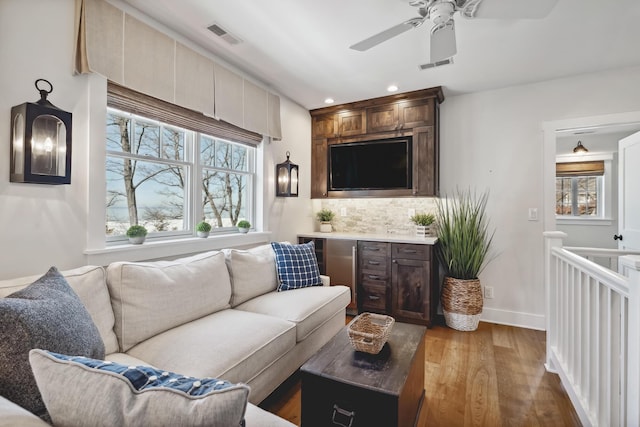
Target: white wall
45,225
41,225
288,216
494,140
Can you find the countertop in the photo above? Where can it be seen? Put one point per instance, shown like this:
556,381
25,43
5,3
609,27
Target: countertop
373,237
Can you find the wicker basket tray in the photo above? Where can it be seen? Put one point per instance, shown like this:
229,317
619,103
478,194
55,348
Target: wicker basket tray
368,332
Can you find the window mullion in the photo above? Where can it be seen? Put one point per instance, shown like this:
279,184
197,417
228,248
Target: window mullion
574,197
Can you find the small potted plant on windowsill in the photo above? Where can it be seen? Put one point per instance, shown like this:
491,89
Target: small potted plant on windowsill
424,224
325,216
136,234
243,226
203,228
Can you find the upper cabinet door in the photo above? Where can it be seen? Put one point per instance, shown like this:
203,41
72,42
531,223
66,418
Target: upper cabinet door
382,118
324,126
351,123
415,113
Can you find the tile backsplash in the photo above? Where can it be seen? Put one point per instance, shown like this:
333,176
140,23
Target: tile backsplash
389,215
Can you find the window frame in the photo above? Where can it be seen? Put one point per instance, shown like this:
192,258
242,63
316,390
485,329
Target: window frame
604,190
148,109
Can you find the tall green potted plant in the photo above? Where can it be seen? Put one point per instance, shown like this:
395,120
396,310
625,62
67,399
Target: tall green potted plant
464,239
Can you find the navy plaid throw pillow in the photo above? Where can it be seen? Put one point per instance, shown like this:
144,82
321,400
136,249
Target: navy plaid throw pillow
297,265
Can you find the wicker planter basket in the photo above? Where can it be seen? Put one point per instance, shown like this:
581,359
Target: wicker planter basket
368,332
462,303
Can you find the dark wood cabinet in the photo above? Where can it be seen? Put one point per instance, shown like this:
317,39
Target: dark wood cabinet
412,114
397,279
416,113
374,276
413,284
319,168
382,118
324,126
351,123
426,170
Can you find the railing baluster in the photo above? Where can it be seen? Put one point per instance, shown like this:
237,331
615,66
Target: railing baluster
593,329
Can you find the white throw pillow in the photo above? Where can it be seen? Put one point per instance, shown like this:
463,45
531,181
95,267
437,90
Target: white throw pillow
81,391
253,272
152,297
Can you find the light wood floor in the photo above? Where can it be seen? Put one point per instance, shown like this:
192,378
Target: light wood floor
494,376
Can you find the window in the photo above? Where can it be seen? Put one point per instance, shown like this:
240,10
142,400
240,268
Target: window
168,177
583,188
578,196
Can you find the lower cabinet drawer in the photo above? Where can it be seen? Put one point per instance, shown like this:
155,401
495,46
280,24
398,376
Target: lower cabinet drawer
374,297
408,251
328,403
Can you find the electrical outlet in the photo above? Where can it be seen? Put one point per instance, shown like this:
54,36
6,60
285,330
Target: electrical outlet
411,212
343,211
488,292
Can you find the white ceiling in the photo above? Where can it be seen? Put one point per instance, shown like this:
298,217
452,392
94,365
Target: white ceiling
300,48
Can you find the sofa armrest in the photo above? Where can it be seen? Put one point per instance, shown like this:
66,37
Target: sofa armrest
12,415
326,280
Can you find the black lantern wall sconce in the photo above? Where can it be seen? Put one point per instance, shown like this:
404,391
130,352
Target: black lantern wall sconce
40,141
287,179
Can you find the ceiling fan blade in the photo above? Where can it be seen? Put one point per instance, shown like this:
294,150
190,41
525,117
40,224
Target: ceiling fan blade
385,35
443,41
513,9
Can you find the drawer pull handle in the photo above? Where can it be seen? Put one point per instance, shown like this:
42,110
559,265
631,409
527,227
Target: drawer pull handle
374,277
374,262
374,297
409,251
369,248
340,416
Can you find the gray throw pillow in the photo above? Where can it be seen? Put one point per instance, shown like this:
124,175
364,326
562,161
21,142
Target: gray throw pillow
81,391
46,314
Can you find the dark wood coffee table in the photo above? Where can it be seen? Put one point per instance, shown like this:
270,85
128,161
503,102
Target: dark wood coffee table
343,387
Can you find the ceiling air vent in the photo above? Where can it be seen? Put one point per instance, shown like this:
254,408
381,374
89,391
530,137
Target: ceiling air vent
436,64
224,34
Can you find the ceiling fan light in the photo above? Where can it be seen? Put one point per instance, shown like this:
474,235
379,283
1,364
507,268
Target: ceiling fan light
443,41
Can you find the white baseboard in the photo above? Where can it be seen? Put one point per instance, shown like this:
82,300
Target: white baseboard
513,318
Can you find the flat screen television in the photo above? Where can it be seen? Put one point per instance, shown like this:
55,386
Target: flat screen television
371,165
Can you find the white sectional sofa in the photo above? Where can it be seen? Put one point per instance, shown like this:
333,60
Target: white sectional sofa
214,314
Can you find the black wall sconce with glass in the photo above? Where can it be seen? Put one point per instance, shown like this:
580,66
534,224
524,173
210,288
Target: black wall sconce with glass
40,141
287,179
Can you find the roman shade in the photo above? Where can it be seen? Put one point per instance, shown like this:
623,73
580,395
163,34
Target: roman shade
137,56
569,169
131,101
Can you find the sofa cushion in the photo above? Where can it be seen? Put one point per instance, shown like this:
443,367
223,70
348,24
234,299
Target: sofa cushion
252,272
230,344
46,314
151,297
79,391
89,283
297,265
308,308
12,415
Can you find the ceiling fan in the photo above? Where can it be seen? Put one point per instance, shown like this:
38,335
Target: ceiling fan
440,12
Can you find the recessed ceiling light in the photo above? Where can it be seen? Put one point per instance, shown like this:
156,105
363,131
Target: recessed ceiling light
329,101
392,88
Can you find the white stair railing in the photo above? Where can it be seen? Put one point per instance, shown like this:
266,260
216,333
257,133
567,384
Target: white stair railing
593,331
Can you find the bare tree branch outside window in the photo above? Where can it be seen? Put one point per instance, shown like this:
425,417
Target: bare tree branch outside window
147,171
